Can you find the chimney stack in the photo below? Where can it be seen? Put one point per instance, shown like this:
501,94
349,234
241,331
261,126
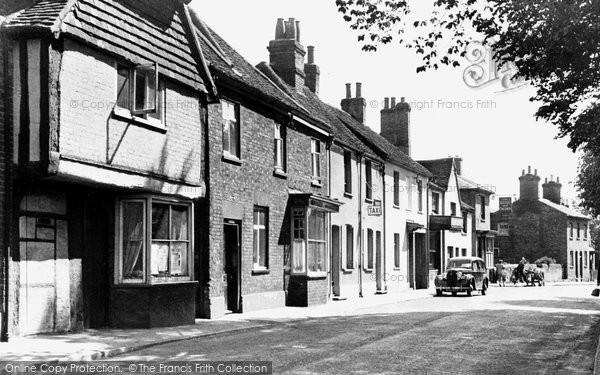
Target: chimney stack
286,54
395,124
551,190
312,72
458,164
529,185
356,107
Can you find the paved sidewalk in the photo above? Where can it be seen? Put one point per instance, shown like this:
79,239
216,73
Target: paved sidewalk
105,343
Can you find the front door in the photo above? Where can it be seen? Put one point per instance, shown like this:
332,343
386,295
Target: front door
231,277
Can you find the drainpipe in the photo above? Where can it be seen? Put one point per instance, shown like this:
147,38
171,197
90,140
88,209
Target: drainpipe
360,228
383,269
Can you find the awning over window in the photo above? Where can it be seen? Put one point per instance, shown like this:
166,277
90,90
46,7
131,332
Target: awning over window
318,202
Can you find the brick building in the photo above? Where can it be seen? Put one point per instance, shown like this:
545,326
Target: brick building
533,227
105,109
265,226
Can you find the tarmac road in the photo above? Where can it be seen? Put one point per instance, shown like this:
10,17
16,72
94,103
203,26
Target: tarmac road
546,330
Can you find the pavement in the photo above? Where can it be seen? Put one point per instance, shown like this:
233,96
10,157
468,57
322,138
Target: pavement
105,343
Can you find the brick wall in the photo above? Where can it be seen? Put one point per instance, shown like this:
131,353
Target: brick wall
90,132
239,187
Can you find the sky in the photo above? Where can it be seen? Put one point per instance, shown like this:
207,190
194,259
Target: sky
491,127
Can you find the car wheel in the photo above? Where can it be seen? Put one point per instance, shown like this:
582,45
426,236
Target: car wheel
454,294
438,292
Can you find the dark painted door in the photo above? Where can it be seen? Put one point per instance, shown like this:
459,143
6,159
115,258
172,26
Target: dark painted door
231,277
96,219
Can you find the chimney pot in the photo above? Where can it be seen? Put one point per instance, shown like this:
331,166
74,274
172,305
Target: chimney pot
358,90
546,180
529,169
393,104
280,29
298,31
557,179
523,173
311,54
348,91
402,99
535,172
387,103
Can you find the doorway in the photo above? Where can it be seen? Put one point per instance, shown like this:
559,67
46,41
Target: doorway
231,266
335,259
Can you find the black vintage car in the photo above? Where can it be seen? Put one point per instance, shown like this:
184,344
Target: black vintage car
463,274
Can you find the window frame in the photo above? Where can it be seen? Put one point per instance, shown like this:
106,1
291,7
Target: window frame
256,266
370,263
420,195
148,278
465,218
142,117
482,210
505,231
453,209
280,137
368,180
435,202
227,154
347,172
315,160
570,230
396,189
397,252
578,231
349,258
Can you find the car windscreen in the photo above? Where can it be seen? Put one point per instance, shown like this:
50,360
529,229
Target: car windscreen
459,263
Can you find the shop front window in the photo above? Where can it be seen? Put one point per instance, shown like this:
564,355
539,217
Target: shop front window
168,253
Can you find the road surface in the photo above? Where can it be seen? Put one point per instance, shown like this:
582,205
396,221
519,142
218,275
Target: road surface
547,330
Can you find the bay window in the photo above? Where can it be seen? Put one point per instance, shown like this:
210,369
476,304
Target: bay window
309,246
155,241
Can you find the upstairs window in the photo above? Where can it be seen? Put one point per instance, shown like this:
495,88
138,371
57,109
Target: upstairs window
231,129
420,195
347,172
140,91
578,230
585,229
315,152
368,180
571,230
503,229
453,209
465,217
435,203
396,188
409,194
482,207
280,147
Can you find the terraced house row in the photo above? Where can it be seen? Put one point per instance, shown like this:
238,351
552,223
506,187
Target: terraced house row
151,175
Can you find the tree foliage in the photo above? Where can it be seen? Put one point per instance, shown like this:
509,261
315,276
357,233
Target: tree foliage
555,45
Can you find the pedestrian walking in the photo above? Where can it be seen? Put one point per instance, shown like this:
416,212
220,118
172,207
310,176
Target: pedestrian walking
500,273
